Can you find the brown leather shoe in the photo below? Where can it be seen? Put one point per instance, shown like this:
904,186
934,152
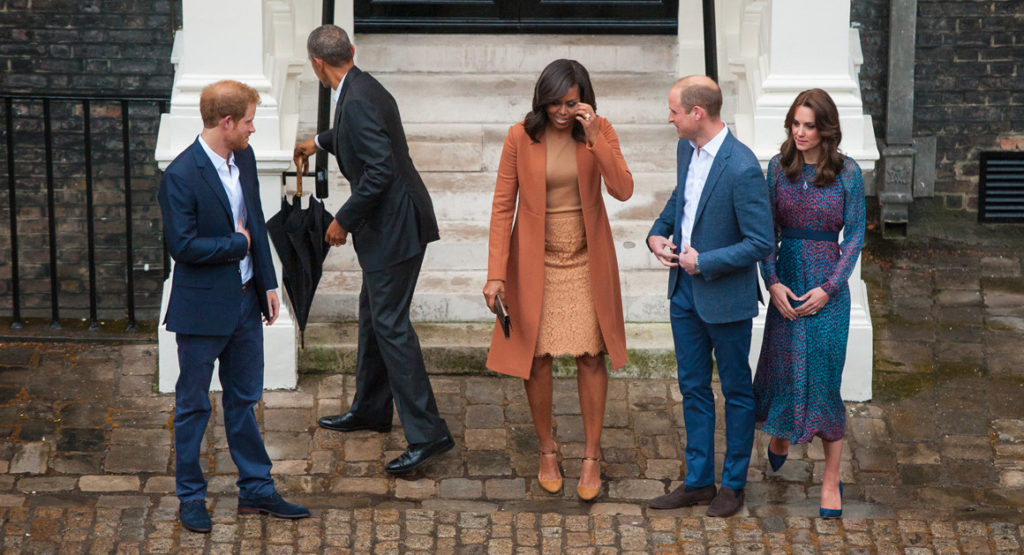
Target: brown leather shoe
726,503
682,498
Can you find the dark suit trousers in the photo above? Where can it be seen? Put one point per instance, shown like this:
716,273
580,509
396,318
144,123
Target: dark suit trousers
241,375
390,363
695,340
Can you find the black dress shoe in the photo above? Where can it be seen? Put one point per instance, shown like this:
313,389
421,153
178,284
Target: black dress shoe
726,503
683,497
194,516
349,422
272,504
418,454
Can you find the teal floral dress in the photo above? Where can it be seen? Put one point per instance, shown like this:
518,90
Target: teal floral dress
796,387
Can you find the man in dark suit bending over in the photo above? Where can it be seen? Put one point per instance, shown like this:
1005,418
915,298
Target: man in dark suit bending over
223,280
391,219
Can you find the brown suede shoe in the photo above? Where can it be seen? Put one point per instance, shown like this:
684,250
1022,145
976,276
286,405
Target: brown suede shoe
726,503
682,498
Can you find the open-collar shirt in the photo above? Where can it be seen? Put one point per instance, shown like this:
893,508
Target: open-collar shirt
229,178
700,165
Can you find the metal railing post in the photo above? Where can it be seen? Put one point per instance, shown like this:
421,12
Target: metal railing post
12,205
129,268
51,222
89,213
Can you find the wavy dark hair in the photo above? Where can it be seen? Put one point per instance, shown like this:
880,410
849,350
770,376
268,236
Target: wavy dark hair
556,80
826,121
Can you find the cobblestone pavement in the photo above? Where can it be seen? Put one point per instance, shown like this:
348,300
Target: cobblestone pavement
935,464
86,464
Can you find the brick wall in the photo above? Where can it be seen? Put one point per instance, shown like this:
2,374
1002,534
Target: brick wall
87,47
969,83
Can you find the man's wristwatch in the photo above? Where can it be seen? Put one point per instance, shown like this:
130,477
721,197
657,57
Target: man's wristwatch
696,264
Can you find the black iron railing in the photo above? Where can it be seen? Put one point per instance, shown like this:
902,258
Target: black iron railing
21,116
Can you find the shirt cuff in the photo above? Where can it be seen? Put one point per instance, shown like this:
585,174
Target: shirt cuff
316,141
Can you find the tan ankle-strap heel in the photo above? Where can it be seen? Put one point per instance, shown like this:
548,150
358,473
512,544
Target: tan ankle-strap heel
551,486
585,493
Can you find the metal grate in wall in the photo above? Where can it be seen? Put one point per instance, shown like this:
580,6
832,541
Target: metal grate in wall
1001,187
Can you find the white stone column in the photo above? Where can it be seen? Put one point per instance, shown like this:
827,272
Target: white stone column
254,44
776,49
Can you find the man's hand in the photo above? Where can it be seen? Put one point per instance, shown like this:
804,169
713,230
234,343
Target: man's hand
336,235
664,250
274,305
781,295
239,228
688,260
303,150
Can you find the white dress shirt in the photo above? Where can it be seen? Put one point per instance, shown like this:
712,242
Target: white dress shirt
696,176
229,178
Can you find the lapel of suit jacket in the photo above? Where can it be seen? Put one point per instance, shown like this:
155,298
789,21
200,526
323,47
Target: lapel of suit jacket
248,182
349,77
684,151
717,167
212,180
339,110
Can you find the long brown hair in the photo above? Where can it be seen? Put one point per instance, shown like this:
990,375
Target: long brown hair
556,80
826,121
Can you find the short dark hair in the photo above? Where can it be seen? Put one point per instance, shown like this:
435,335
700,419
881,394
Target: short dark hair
331,44
556,80
700,94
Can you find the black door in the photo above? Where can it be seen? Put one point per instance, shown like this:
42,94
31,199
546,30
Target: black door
517,16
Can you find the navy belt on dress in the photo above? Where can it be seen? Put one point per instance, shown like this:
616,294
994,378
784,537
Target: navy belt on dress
812,234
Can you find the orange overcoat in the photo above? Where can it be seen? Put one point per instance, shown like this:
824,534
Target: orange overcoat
516,246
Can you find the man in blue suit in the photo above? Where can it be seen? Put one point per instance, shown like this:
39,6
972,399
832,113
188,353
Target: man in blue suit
223,281
720,219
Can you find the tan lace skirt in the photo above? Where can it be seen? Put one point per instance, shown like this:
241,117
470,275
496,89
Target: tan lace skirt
568,322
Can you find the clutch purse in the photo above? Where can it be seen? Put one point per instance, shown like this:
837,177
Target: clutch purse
503,317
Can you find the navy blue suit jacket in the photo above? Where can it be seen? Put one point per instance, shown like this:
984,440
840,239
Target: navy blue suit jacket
732,231
389,214
206,293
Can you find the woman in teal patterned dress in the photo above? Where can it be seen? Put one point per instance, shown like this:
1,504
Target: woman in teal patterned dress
816,192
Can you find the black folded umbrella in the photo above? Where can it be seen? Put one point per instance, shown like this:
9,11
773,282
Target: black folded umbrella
298,237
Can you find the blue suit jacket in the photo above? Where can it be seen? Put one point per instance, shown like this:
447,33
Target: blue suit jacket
732,231
206,293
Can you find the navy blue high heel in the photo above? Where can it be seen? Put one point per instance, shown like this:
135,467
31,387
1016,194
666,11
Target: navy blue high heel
832,513
776,461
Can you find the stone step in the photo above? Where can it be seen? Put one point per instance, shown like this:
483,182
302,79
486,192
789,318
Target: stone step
467,147
463,246
506,98
461,348
503,53
467,196
455,295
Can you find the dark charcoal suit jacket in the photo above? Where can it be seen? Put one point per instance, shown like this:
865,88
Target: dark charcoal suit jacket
389,214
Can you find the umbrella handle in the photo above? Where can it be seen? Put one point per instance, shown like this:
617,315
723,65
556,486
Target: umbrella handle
303,167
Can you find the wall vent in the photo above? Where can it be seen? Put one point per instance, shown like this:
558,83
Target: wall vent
1001,187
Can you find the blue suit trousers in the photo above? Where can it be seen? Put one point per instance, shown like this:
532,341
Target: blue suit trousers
241,375
695,340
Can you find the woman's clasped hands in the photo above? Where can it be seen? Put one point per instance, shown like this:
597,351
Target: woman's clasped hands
813,301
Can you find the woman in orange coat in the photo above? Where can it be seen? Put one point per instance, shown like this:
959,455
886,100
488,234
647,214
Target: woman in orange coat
555,267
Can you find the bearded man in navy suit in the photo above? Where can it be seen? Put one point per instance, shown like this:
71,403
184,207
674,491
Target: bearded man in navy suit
223,281
721,219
